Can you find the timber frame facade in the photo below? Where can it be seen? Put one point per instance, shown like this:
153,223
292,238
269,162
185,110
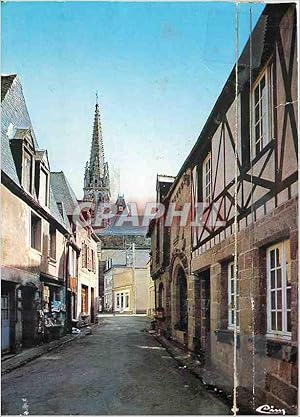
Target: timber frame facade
194,266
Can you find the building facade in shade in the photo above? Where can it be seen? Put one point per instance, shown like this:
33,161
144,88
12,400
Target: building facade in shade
49,271
96,179
35,240
203,296
82,289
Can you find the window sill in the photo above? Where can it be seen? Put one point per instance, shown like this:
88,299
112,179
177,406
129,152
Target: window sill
227,336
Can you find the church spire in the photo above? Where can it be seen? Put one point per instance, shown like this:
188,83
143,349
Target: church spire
96,178
97,149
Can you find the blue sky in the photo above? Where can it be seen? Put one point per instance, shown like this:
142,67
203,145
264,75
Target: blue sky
158,69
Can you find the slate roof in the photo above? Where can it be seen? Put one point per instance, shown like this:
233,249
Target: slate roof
63,191
118,257
60,217
126,229
15,122
6,83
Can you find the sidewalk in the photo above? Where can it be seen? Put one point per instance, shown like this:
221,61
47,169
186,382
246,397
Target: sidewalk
12,362
209,378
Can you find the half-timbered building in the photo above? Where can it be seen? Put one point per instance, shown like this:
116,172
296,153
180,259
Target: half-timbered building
237,268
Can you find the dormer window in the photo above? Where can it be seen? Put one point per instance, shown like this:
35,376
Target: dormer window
22,147
42,174
27,171
43,191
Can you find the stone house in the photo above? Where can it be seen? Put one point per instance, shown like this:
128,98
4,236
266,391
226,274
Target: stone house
230,283
34,235
83,261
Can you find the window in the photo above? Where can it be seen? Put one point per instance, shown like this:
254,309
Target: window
84,255
52,242
122,301
261,114
206,172
72,263
279,289
93,260
231,297
43,190
36,232
27,171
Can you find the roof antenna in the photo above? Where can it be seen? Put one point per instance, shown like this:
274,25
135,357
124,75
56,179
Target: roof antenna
96,97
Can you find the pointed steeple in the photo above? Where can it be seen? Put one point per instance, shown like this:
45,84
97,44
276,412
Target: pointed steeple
96,177
97,150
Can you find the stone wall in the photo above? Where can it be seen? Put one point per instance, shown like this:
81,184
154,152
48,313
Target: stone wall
270,366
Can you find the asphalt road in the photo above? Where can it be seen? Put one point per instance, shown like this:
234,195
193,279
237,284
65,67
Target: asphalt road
119,369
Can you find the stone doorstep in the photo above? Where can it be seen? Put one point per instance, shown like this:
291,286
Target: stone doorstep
20,359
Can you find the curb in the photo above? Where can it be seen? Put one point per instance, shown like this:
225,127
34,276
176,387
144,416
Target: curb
13,363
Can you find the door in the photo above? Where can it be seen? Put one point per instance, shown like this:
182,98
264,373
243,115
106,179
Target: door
29,316
92,306
205,312
5,322
84,300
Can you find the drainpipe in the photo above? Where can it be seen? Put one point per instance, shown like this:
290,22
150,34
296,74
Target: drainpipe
66,256
133,278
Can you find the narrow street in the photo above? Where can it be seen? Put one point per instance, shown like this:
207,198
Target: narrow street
119,369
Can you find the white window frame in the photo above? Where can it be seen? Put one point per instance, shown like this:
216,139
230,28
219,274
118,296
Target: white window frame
207,179
43,189
284,333
230,280
120,301
265,137
27,158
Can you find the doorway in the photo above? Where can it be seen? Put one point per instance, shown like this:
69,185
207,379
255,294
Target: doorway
28,316
182,301
92,305
203,312
5,321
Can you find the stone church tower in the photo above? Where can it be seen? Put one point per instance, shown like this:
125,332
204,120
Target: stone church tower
96,178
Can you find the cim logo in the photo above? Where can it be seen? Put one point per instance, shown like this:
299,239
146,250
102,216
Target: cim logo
270,410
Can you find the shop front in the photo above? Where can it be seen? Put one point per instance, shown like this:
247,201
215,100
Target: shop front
53,313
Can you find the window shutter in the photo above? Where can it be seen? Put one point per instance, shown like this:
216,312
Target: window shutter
83,259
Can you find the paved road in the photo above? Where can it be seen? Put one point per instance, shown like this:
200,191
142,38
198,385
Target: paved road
119,369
